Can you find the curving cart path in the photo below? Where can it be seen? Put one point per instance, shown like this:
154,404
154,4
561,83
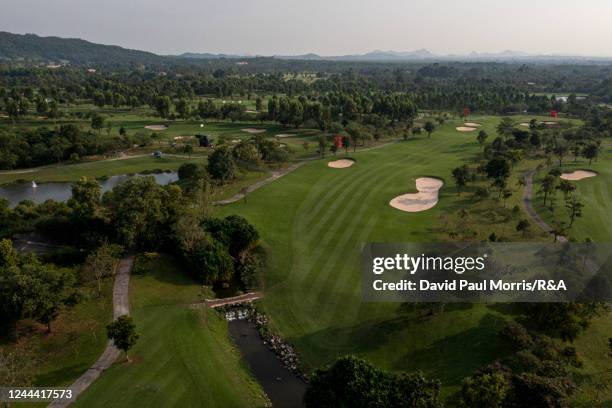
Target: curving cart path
121,306
276,174
527,198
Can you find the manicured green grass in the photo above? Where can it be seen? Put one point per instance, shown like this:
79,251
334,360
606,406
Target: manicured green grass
314,221
73,172
183,358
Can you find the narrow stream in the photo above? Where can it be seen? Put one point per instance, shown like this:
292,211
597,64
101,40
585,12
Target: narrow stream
285,389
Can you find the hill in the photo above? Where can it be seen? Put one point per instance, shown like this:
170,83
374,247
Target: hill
36,49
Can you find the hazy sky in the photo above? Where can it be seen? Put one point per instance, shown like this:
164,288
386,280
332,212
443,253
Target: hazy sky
327,27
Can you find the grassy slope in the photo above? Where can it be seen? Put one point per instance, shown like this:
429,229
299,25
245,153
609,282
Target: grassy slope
183,358
314,222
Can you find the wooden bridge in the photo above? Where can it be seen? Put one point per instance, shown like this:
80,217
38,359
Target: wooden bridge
247,297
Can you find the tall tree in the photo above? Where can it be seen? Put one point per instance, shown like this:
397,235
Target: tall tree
221,165
97,122
590,152
482,137
429,127
548,186
123,334
460,174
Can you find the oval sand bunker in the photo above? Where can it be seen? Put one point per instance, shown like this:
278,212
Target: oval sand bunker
578,175
465,129
253,131
472,124
156,127
426,198
341,164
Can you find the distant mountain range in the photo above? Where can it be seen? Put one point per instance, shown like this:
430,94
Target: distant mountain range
417,55
31,48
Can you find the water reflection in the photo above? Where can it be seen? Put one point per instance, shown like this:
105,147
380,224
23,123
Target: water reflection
61,191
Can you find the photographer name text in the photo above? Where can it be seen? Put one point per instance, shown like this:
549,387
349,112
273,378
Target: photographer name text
458,285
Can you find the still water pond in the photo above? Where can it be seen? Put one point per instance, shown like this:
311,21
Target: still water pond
62,191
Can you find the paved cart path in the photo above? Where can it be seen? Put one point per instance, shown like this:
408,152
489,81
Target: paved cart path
527,205
276,174
121,306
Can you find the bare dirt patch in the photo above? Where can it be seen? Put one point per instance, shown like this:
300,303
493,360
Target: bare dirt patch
426,198
341,164
578,175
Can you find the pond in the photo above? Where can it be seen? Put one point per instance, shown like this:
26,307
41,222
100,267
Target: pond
284,388
62,191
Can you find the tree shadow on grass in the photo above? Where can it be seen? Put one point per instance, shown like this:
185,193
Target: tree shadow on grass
449,359
454,357
168,269
61,375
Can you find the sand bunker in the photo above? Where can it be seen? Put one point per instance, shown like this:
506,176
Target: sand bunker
253,131
285,135
549,123
525,124
426,198
465,129
578,175
341,164
156,127
472,124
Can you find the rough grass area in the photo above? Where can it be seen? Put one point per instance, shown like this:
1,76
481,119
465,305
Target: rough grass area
78,338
